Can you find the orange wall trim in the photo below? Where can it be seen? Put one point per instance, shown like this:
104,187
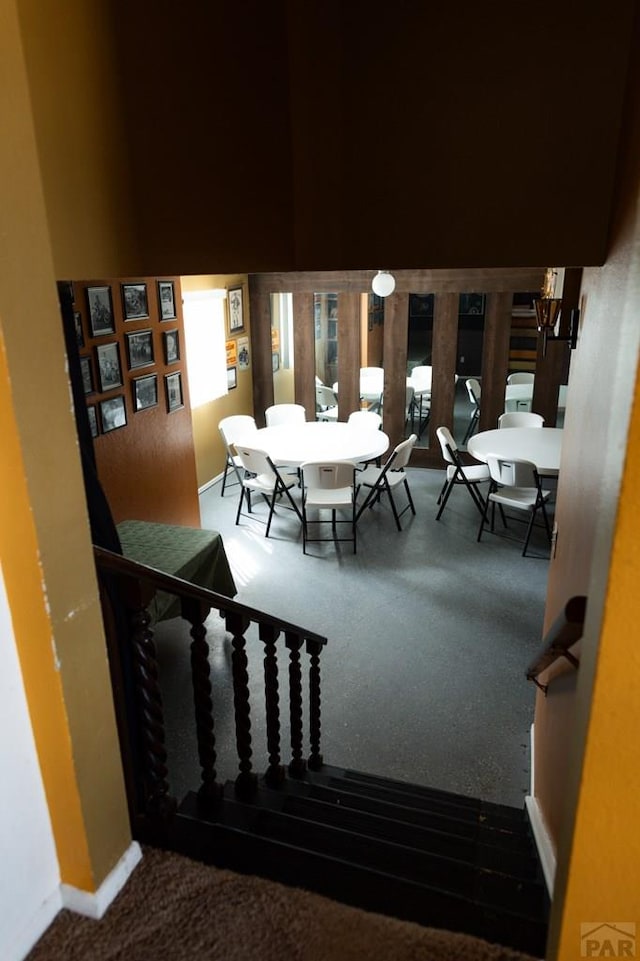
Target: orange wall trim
36,651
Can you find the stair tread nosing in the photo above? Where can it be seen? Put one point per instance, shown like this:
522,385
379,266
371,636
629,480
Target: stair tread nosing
467,879
429,840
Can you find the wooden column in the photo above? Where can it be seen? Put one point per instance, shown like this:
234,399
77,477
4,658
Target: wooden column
304,353
396,328
260,312
495,357
348,354
443,384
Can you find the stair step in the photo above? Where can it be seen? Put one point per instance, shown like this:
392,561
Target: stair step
461,827
225,837
459,800
440,843
432,804
496,891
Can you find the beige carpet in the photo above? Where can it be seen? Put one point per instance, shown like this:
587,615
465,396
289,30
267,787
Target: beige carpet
174,909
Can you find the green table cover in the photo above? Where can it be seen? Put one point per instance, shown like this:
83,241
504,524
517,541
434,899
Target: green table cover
193,554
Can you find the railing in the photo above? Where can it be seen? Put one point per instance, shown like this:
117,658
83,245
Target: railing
563,634
127,589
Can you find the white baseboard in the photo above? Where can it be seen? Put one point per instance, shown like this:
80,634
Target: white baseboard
546,852
94,904
214,480
541,836
36,927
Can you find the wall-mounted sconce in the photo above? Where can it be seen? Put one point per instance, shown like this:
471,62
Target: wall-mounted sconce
547,315
548,309
383,284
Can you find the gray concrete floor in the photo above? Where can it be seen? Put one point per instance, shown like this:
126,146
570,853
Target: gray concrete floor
429,635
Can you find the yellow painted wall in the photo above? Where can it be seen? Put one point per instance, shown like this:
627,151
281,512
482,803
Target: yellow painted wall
209,449
82,768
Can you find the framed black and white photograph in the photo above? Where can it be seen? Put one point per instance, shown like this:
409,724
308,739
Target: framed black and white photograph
145,392
87,375
140,349
77,323
166,300
171,347
92,414
244,357
135,302
236,310
232,377
100,308
113,413
109,369
173,388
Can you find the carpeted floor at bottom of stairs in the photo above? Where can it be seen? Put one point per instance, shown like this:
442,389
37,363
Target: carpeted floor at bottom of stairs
176,909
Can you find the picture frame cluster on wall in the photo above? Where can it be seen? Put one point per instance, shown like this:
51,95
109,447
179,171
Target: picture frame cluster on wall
121,349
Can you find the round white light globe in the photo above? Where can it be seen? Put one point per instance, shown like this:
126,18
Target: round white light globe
383,283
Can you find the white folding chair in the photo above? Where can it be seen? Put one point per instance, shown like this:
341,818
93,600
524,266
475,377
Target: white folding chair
285,414
515,484
474,392
328,486
470,475
263,477
234,428
366,419
326,403
521,377
421,379
520,418
383,480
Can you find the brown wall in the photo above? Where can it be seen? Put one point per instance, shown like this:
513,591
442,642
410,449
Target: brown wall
498,122
147,466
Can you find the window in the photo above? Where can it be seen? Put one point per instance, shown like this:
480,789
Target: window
206,357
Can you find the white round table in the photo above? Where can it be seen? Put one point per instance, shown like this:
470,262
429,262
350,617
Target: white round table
540,445
294,444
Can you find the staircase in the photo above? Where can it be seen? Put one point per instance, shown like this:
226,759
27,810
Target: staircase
422,855
411,852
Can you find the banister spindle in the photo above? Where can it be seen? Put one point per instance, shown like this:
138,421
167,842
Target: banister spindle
159,804
196,612
246,782
314,650
294,642
275,772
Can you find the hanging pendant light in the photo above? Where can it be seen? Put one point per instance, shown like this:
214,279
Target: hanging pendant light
384,283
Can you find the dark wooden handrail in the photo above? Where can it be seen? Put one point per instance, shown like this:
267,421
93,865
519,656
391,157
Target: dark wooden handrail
564,632
125,567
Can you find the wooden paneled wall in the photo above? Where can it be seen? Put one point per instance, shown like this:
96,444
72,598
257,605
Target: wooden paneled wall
147,465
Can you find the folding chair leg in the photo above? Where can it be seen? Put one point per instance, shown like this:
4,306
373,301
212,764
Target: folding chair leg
409,497
443,500
485,514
